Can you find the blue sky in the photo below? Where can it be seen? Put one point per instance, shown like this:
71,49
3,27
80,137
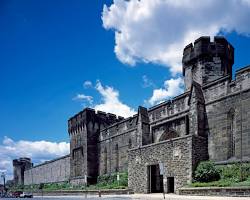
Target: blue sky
49,49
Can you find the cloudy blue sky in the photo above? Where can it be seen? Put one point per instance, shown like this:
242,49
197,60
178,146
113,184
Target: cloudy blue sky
57,57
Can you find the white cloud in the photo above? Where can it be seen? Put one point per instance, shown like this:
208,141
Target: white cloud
111,102
82,97
38,151
87,84
172,88
157,30
147,82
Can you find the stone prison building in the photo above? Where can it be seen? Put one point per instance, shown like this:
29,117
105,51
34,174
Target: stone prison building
160,147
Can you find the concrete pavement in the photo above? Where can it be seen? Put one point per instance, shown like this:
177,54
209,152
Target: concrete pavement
144,197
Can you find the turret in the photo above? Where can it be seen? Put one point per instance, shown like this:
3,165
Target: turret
19,166
84,130
207,61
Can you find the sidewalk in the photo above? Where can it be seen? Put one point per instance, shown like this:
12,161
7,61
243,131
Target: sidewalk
142,197
180,197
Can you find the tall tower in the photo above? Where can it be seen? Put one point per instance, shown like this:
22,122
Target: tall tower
206,61
19,166
84,130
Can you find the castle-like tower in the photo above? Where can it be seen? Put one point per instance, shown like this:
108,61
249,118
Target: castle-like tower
84,129
19,166
206,61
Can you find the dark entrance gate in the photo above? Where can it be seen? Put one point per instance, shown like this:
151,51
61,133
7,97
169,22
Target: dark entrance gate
170,184
155,179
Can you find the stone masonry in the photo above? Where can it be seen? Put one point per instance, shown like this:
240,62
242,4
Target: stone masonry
54,171
160,147
20,166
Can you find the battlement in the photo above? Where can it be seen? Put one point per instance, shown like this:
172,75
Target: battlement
19,166
87,114
206,61
203,46
21,161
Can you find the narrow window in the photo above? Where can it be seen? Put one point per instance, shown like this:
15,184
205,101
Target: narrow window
232,133
105,161
129,143
117,158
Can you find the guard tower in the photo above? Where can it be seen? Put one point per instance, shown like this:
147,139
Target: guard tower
207,61
19,166
84,130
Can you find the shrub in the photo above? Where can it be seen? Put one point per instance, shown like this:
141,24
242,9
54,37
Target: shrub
110,181
220,183
236,172
206,172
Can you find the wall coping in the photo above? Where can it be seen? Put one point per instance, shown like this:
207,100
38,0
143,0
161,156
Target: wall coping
170,118
215,82
215,188
165,141
242,69
183,95
47,162
117,123
226,96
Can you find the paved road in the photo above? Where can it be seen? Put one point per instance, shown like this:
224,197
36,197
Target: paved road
140,197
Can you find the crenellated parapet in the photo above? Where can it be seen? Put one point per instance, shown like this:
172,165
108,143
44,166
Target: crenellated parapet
19,166
203,46
21,161
78,121
206,61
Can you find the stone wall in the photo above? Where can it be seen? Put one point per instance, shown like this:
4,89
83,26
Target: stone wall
174,154
19,166
114,143
169,109
228,115
53,171
109,163
199,150
216,191
169,128
179,157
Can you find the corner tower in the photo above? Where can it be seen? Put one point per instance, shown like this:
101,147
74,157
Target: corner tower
207,61
84,130
19,166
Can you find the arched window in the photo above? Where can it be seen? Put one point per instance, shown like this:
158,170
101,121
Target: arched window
116,158
169,134
232,132
105,157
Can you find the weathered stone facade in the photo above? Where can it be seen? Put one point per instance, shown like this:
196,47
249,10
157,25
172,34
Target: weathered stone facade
178,156
19,166
216,191
161,146
53,171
